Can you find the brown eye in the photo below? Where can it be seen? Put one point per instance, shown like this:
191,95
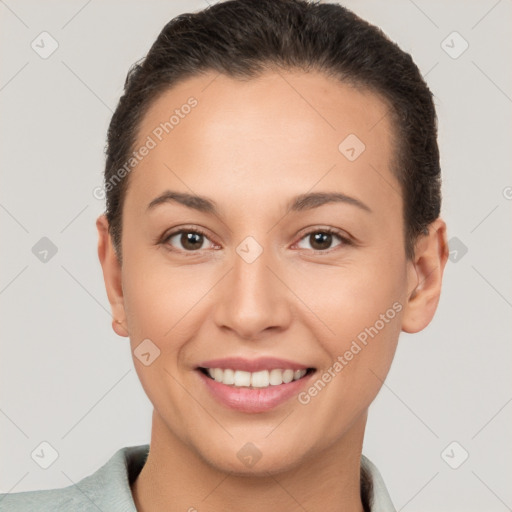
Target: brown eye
321,240
186,240
191,241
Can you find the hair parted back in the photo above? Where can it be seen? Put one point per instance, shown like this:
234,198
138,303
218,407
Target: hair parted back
245,38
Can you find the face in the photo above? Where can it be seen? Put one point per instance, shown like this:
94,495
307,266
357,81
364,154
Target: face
294,251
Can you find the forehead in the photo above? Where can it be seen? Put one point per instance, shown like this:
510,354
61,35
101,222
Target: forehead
279,132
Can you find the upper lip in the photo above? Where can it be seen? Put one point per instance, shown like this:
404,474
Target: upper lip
253,365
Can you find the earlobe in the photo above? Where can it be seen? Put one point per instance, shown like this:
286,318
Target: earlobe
425,275
112,276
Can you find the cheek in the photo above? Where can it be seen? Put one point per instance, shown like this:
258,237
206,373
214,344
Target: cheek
350,297
159,302
364,320
156,301
163,302
358,309
151,290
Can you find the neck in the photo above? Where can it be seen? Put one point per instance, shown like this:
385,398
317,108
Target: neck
177,478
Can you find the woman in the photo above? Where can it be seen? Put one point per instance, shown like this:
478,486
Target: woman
272,225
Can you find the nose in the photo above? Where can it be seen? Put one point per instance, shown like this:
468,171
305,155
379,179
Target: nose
253,301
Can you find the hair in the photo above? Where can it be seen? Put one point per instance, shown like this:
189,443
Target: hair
243,39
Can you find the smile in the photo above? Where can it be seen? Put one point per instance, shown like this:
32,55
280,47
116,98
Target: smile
259,379
254,392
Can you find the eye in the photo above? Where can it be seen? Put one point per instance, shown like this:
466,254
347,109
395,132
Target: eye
191,240
194,240
322,240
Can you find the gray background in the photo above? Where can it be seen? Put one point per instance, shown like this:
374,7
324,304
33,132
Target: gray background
67,379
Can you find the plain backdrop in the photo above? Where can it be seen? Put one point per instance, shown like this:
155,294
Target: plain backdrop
67,379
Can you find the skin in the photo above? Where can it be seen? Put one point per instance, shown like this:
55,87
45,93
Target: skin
251,146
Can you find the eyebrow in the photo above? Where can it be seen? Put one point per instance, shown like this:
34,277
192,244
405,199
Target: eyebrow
298,203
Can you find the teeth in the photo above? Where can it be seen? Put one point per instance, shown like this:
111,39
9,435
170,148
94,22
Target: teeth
276,377
261,379
228,376
287,376
241,378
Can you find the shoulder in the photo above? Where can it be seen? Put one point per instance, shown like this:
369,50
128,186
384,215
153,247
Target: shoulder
379,495
41,501
108,488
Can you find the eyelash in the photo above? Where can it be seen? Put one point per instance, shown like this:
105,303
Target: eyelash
345,241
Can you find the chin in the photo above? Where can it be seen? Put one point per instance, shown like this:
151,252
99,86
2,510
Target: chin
263,467
262,457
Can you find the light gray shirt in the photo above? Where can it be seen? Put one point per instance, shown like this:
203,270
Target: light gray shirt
108,489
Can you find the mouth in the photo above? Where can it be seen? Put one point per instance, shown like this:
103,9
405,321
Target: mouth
255,380
254,385
254,392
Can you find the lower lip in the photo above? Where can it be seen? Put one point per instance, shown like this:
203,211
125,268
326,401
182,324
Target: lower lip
253,400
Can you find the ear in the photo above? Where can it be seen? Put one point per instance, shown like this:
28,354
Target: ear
424,277
112,276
